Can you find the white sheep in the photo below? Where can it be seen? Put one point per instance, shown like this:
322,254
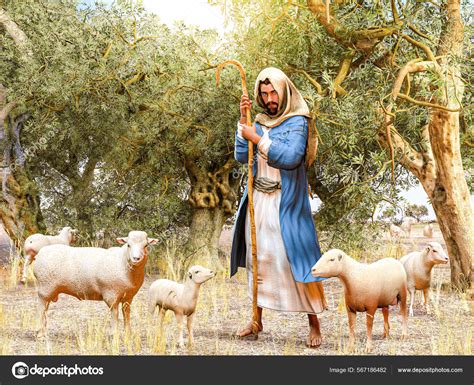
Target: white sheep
180,298
418,266
35,242
396,232
406,225
91,273
428,231
366,288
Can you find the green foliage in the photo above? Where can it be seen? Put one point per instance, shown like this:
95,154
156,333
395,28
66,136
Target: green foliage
390,214
352,174
117,103
416,211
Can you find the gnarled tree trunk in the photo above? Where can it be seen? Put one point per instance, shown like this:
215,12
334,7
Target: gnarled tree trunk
439,166
212,198
82,193
20,212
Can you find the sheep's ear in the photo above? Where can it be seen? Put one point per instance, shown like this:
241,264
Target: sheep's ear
428,248
339,257
122,241
152,241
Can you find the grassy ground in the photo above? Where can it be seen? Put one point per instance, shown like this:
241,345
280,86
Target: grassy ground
82,327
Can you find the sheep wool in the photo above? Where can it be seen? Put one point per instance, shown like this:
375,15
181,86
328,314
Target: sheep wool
418,266
179,298
35,242
91,273
366,288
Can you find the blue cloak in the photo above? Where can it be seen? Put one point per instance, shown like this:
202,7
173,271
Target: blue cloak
286,153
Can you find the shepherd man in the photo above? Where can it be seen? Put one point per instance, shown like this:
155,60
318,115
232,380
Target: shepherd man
287,244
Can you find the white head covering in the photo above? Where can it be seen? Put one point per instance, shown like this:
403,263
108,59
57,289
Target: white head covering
291,103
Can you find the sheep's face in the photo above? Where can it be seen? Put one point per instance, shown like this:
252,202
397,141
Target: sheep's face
329,265
72,236
436,253
200,274
136,244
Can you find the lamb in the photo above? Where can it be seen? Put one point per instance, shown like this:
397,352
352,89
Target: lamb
91,273
395,231
366,288
406,225
35,242
428,231
418,266
180,298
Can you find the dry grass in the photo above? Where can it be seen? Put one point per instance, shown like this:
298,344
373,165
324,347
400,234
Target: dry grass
82,327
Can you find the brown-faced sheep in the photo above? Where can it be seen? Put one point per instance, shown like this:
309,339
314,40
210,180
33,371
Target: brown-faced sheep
91,273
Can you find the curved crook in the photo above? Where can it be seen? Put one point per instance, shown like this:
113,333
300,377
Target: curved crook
253,230
242,78
241,70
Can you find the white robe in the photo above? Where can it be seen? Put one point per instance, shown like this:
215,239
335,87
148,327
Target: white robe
277,289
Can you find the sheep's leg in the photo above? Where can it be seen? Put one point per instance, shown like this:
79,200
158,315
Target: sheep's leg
386,324
352,316
126,316
44,305
114,311
412,301
161,316
370,323
151,307
189,324
113,304
403,310
28,260
426,293
179,320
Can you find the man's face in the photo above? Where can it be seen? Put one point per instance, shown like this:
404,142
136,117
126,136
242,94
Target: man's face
270,98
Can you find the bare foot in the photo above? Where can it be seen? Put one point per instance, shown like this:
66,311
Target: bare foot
247,330
314,338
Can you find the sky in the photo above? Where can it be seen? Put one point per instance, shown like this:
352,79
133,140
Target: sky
192,12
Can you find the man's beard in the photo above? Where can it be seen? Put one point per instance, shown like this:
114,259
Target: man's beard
271,111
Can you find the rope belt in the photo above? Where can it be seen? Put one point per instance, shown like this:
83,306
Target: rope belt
266,185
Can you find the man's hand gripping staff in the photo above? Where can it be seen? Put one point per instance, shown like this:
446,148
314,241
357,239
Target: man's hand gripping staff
255,326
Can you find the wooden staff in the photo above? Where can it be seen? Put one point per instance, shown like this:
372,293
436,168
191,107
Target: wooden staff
253,234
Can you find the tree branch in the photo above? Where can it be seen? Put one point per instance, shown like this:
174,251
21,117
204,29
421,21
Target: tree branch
428,104
396,18
313,82
418,32
343,71
6,110
365,39
410,158
430,55
18,36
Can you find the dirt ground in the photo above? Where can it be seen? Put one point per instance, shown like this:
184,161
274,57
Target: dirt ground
82,327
